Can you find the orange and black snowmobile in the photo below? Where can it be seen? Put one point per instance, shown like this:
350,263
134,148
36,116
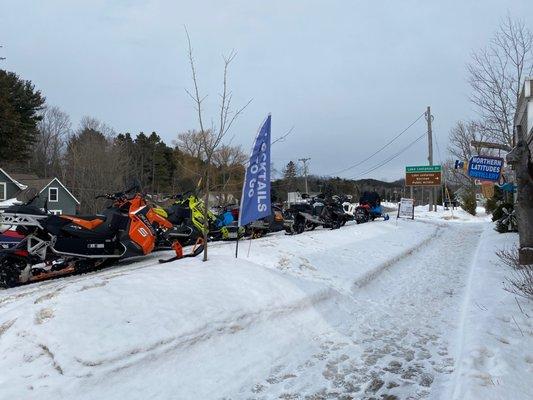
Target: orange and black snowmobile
55,245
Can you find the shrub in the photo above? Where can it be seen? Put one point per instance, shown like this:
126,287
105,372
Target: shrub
505,218
491,205
521,280
468,202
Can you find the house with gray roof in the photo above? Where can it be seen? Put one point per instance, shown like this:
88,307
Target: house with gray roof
52,193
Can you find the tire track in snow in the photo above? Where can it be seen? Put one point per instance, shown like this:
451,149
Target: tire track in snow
163,347
455,387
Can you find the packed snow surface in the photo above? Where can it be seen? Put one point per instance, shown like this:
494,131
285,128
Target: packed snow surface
396,309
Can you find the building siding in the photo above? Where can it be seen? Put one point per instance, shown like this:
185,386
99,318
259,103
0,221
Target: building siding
65,202
11,188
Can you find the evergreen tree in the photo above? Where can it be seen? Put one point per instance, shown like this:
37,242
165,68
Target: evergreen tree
20,104
151,160
289,172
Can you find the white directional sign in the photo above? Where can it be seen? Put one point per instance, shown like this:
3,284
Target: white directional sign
406,208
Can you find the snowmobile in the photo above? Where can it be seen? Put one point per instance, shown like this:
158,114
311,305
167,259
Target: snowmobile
58,245
337,204
369,208
187,216
317,211
162,227
9,238
275,222
349,209
227,225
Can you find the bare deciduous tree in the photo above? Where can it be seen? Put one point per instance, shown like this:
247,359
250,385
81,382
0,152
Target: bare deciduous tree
495,76
95,163
460,148
211,138
54,128
229,162
191,142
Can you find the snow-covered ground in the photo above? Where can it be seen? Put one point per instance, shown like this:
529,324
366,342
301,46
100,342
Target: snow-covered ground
495,341
385,310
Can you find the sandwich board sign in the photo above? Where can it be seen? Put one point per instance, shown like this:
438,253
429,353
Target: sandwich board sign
406,208
423,175
485,168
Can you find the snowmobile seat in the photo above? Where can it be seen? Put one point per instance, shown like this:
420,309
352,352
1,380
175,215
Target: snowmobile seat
90,217
96,226
178,214
87,221
24,209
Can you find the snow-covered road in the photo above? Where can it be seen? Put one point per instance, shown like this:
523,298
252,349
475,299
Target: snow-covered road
374,311
397,341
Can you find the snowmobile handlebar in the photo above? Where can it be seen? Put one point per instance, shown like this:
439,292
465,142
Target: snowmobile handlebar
109,196
118,195
181,195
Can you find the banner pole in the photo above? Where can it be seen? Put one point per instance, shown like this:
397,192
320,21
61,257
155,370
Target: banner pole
249,247
237,245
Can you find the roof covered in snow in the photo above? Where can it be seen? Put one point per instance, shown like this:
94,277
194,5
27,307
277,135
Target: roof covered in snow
14,180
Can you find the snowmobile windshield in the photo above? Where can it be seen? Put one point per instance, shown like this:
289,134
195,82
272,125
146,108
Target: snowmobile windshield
371,198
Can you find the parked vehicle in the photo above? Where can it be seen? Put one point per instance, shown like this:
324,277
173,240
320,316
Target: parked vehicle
349,209
187,215
317,211
369,208
56,245
275,222
9,239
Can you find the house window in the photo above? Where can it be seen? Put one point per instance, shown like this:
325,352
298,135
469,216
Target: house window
3,194
53,195
55,212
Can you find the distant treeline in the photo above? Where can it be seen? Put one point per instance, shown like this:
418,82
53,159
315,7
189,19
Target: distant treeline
93,159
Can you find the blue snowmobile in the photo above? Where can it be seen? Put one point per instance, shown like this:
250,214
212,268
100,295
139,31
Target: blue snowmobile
369,208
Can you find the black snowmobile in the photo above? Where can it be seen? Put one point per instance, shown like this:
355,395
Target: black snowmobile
187,216
275,222
317,211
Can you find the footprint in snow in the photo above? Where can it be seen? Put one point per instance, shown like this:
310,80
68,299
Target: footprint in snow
43,315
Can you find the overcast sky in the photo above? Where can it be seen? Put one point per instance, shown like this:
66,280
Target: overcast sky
349,75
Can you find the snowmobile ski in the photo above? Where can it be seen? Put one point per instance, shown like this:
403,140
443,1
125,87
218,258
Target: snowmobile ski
176,246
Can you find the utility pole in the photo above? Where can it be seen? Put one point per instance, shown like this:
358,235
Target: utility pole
304,161
429,119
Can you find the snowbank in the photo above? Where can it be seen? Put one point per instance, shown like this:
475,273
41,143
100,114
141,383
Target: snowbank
97,331
368,309
9,202
496,334
455,215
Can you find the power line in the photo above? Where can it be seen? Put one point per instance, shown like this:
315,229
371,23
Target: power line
386,161
380,149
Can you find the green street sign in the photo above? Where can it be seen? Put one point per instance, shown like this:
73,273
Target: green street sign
423,168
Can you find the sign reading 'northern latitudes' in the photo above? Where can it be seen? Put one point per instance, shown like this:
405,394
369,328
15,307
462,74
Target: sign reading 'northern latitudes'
485,168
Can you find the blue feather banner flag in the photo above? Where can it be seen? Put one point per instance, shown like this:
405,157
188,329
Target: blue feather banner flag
255,200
